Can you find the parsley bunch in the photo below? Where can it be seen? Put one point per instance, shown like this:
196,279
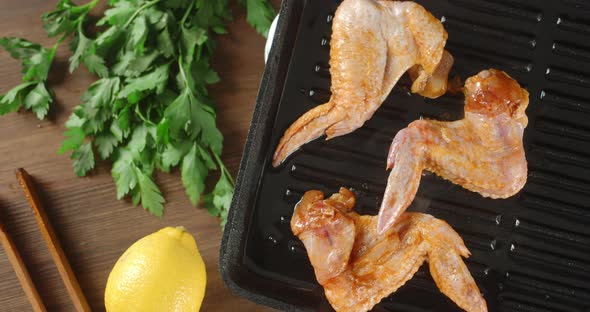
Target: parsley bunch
150,108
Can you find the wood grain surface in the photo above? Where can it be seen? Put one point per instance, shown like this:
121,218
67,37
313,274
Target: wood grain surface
93,226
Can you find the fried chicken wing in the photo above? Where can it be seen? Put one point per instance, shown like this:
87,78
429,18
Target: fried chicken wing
358,267
373,44
483,152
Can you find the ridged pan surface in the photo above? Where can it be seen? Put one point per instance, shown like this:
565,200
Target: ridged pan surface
531,252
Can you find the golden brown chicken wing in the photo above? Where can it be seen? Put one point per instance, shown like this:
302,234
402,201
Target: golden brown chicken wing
373,44
358,267
483,152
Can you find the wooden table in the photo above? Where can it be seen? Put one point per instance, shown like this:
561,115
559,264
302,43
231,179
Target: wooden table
94,227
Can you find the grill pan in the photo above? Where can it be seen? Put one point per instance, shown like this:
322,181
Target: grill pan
530,252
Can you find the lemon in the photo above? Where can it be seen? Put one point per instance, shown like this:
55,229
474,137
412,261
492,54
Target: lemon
160,272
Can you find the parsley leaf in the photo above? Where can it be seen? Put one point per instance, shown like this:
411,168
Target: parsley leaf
80,44
12,101
36,68
38,100
219,200
20,48
119,14
172,156
100,94
123,173
75,138
193,173
165,45
98,101
83,51
120,127
138,35
105,144
36,62
151,197
190,39
163,132
138,140
96,65
260,15
65,18
83,159
36,59
131,65
35,98
155,80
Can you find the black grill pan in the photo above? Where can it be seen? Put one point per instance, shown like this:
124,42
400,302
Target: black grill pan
531,252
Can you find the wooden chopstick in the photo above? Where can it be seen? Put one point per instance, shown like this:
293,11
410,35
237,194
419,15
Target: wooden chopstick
53,244
21,270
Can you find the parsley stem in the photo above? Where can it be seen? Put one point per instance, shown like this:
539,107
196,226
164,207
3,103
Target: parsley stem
141,8
182,72
186,14
61,39
142,117
90,4
222,168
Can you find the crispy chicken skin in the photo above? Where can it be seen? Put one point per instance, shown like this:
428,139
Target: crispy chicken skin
483,152
358,267
373,44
